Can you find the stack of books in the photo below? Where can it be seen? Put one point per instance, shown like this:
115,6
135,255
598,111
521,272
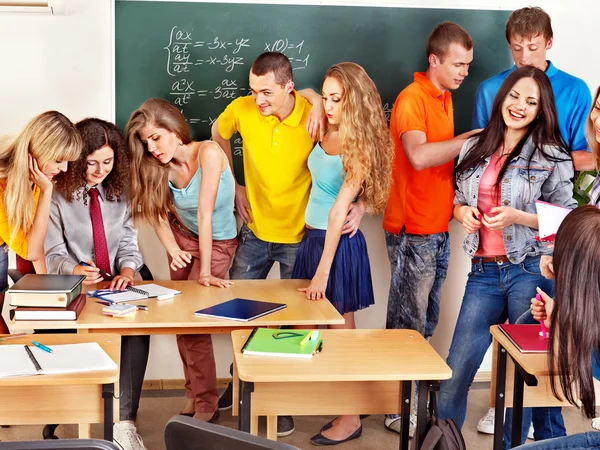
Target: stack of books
47,297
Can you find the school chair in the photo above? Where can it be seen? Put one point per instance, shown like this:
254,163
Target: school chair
67,444
187,433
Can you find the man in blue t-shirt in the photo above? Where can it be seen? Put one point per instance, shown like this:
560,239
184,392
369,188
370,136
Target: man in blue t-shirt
529,35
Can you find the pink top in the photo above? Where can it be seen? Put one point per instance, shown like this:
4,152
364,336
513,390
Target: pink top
491,243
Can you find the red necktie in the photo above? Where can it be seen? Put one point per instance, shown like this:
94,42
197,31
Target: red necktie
100,247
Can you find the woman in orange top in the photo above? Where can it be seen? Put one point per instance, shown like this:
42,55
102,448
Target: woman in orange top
30,162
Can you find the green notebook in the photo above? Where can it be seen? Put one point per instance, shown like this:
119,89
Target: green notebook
286,343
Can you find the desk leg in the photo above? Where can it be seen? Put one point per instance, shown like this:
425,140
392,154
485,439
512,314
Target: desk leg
83,430
517,419
245,393
500,388
108,392
421,412
405,414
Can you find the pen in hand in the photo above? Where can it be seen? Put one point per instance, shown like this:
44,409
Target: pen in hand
538,297
105,275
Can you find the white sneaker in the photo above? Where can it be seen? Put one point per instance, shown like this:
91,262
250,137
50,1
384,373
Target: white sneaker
126,438
596,423
392,423
486,423
530,432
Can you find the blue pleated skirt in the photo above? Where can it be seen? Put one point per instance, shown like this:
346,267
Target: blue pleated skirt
349,287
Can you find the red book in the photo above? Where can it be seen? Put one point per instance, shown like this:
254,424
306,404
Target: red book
71,312
526,337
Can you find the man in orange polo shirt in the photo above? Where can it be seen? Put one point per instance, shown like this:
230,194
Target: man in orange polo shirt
420,202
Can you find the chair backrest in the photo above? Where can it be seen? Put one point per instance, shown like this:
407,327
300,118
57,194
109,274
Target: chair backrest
145,273
67,444
186,433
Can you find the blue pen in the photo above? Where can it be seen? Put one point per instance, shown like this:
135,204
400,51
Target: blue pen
42,346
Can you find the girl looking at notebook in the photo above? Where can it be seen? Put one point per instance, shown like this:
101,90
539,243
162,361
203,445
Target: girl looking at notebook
353,157
31,161
90,221
517,159
572,320
185,190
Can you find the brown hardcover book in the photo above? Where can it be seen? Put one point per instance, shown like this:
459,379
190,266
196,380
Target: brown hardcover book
45,291
71,312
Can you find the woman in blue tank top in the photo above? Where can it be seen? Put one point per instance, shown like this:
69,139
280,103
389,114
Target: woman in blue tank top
353,158
185,190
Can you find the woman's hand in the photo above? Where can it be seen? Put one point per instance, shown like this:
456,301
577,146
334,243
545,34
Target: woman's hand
91,272
547,267
500,217
179,258
542,310
208,280
316,288
471,220
120,282
38,177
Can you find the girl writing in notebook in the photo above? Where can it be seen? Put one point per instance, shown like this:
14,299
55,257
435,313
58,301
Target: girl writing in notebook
354,157
185,189
517,159
90,221
572,319
31,161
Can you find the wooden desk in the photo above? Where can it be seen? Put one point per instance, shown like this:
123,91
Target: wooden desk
358,372
176,315
69,398
529,386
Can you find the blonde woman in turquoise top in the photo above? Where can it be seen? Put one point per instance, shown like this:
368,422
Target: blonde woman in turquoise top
354,157
185,190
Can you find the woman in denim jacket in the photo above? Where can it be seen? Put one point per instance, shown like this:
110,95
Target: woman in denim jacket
517,159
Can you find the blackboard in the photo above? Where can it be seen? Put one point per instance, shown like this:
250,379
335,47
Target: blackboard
198,55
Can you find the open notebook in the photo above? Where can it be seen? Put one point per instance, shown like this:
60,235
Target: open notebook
131,294
66,358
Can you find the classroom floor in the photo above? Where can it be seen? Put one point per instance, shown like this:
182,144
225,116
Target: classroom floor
158,406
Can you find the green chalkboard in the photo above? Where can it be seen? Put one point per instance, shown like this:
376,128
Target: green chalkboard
198,55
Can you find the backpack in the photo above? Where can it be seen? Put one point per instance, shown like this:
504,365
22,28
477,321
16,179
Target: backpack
440,434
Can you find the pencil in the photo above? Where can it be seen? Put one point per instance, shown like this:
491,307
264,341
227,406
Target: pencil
13,336
306,338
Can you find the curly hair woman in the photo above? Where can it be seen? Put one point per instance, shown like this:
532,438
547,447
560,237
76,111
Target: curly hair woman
354,157
31,161
98,180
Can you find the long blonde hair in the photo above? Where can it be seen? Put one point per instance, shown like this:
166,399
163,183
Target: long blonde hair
590,133
367,145
149,188
48,137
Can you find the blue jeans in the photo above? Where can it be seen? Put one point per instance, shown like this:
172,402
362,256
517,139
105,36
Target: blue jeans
419,264
254,258
494,293
581,441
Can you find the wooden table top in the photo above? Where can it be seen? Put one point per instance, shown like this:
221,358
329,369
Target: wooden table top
534,363
110,343
178,312
348,355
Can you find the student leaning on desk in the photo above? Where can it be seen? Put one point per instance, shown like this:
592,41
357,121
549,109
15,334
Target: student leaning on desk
572,319
185,190
40,152
90,216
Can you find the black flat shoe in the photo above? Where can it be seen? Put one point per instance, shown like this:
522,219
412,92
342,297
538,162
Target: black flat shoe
186,414
329,424
48,432
319,439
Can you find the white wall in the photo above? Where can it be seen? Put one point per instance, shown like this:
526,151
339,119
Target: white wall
64,62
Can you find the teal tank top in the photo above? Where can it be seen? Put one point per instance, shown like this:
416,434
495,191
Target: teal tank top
327,172
185,201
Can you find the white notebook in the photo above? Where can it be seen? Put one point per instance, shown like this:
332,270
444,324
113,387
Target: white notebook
133,293
550,217
66,358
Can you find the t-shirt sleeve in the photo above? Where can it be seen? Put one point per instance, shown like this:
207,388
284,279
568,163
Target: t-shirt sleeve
481,111
228,120
18,243
582,105
410,115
